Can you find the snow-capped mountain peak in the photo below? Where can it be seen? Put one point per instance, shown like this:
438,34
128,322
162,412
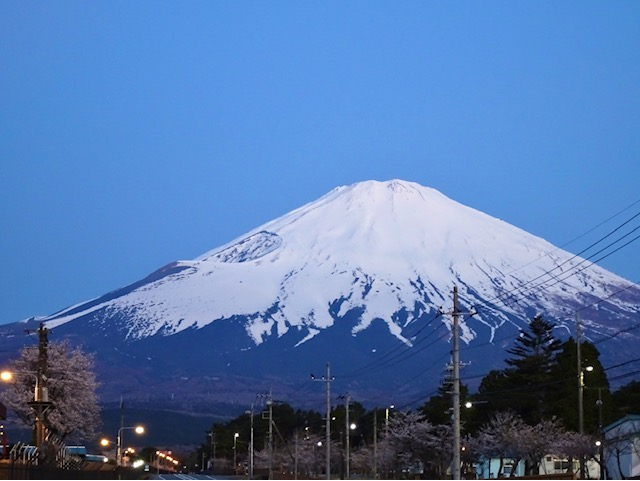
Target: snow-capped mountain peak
375,246
366,268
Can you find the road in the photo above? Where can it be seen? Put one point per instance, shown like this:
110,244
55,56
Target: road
191,476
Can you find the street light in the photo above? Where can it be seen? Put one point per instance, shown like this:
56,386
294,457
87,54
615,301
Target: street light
470,404
386,419
581,403
352,427
40,403
250,413
600,443
167,461
137,429
235,439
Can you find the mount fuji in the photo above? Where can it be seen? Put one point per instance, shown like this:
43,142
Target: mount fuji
362,279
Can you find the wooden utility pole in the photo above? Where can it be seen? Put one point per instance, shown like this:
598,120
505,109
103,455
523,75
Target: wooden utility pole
40,403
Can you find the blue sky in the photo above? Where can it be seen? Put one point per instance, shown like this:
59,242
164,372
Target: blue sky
137,133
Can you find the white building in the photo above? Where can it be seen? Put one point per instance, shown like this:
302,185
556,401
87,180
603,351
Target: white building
622,447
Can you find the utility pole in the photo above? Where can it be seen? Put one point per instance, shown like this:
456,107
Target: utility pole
580,377
213,442
269,415
119,448
212,451
455,381
327,380
455,471
580,388
251,444
295,458
600,433
270,404
40,403
375,443
347,426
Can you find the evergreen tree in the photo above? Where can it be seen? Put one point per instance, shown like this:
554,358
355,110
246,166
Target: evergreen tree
531,374
626,400
528,383
564,403
535,349
495,392
438,408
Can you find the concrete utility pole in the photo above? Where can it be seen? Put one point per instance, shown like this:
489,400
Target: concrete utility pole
580,377
269,416
328,421
580,387
270,404
213,448
347,427
455,381
375,443
250,413
327,379
455,471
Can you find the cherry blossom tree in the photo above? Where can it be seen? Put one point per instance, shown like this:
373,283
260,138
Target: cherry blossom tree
414,439
541,440
71,383
505,437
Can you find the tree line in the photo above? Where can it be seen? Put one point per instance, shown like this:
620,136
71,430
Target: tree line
522,413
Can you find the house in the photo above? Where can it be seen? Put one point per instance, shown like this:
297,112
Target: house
555,466
622,447
493,468
550,465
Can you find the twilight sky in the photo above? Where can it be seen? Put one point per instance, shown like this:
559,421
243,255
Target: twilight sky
137,133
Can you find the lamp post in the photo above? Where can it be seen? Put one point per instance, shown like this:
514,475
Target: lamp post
235,439
600,433
250,413
350,427
137,429
40,403
386,419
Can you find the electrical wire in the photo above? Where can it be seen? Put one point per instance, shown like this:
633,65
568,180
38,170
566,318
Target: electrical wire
394,357
506,297
372,365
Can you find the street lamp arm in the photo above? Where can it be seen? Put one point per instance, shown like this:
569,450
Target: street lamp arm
137,429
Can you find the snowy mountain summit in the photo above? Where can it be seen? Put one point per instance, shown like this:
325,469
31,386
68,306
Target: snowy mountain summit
365,271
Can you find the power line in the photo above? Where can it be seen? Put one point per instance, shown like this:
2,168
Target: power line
380,362
396,355
526,287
